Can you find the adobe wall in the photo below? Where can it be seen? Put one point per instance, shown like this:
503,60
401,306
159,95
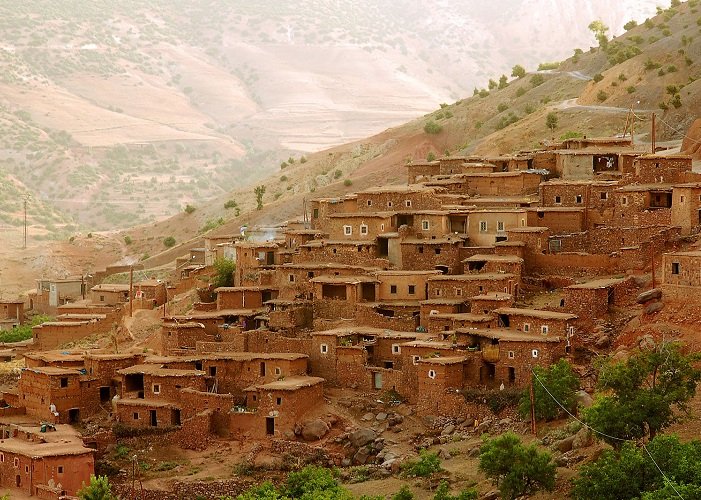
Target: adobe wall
404,319
32,472
417,256
341,254
49,336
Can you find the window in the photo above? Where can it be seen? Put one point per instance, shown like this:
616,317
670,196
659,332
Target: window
278,401
310,274
675,267
483,226
544,329
393,289
558,200
412,289
420,249
424,225
415,359
500,225
604,196
526,327
278,370
324,348
292,278
2,457
432,374
396,349
64,381
389,204
347,230
624,200
136,415
407,203
534,353
60,469
156,388
363,229
369,203
523,222
382,227
458,292
438,292
315,213
681,199
511,355
102,298
578,199
16,462
437,251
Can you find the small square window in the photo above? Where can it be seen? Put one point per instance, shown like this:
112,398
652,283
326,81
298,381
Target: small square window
604,196
437,251
526,327
136,415
511,355
64,381
156,388
483,226
347,230
278,401
534,353
382,227
415,359
363,229
675,267
324,348
393,289
310,274
60,469
396,349
438,292
624,200
389,204
544,329
369,203
278,371
458,292
315,213
681,199
578,199
420,249
412,289
558,200
407,203
425,225
500,225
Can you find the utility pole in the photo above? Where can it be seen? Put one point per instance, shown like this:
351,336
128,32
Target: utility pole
654,117
531,394
131,291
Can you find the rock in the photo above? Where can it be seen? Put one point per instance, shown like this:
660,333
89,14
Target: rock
444,454
361,437
646,342
506,421
654,294
290,435
582,439
313,430
448,430
654,307
381,417
602,341
483,427
397,429
583,399
378,445
564,445
491,495
367,417
346,462
460,420
361,456
474,452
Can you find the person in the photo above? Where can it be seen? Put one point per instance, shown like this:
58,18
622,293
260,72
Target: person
52,410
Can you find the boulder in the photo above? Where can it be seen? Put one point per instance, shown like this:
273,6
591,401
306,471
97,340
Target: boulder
361,456
381,417
367,417
564,445
654,307
647,296
444,454
361,437
491,495
583,399
313,430
582,439
506,421
603,341
447,430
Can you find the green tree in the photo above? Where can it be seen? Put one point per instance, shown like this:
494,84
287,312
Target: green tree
503,82
432,127
631,473
518,71
537,80
98,489
265,491
431,156
551,121
492,85
169,241
189,209
427,464
403,494
599,29
224,272
259,192
630,25
516,469
230,204
314,483
443,493
644,394
560,381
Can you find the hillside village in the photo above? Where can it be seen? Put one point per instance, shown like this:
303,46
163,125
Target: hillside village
425,297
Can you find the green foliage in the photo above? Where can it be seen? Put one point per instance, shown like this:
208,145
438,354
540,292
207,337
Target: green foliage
224,272
507,120
630,25
601,96
212,224
537,80
503,82
443,493
230,204
492,85
548,66
516,469
644,394
650,65
518,71
310,483
427,464
520,91
431,156
483,93
432,127
502,107
259,191
303,159
599,29
283,178
169,241
631,89
598,77
283,165
562,383
631,473
337,173
495,399
551,120
347,182
98,489
571,134
189,209
403,494
128,240
23,332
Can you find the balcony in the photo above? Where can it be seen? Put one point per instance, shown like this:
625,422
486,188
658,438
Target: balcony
490,353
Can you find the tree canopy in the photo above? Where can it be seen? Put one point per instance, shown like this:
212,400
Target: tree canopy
98,489
560,381
518,71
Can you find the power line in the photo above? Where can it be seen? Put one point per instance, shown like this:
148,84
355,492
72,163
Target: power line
604,434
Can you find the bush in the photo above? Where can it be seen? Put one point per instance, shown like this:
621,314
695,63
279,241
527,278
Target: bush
169,241
189,209
283,178
432,127
537,80
403,494
427,464
431,156
98,489
303,159
23,332
443,493
283,165
516,469
502,107
548,66
631,89
495,399
630,25
230,204
128,240
650,65
601,96
520,91
598,77
347,182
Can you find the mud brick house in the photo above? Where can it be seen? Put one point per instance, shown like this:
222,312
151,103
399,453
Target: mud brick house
109,294
488,302
595,197
643,205
681,276
52,334
358,226
411,198
484,227
11,314
102,370
337,296
544,323
492,263
586,163
595,299
46,465
176,337
661,169
253,257
558,219
444,322
293,280
150,293
346,252
290,315
422,170
296,237
403,285
490,184
57,359
427,253
439,382
535,239
50,294
250,297
442,306
468,285
273,409
686,207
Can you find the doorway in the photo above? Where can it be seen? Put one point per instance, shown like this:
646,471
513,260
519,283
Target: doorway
153,417
73,416
270,426
175,417
377,380
105,394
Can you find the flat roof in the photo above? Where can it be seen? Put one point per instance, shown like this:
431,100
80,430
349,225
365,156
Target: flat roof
442,301
365,330
345,215
50,356
410,272
472,277
494,258
35,449
288,384
600,283
430,344
53,370
506,334
326,265
477,318
447,360
534,313
157,370
397,188
343,280
646,187
110,287
493,296
225,356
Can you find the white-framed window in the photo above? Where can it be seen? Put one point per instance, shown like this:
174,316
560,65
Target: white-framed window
415,359
624,200
558,200
369,203
156,388
526,327
425,225
60,469
500,226
512,355
16,462
544,329
278,370
2,457
534,353
578,199
347,230
407,203
363,229
382,227
396,349
324,348
458,292
483,226
523,222
432,374
389,204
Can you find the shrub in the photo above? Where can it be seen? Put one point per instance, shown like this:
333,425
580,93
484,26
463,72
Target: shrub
224,272
169,241
548,66
520,92
427,464
259,191
483,93
598,77
431,156
347,182
601,96
650,64
631,89
537,80
671,68
622,77
630,25
303,159
551,121
432,127
230,204
189,209
283,165
518,71
98,489
502,107
403,494
443,493
283,178
128,240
